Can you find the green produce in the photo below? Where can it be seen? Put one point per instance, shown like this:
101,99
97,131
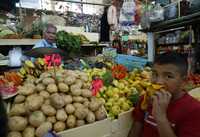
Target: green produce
68,42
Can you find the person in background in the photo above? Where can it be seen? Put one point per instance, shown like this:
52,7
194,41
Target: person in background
49,35
3,119
172,112
104,30
112,16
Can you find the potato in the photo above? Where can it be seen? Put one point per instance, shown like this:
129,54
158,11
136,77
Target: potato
37,118
78,105
80,113
43,129
90,117
100,114
59,126
18,109
47,102
86,85
47,81
75,90
69,80
26,90
48,110
19,99
85,99
79,83
86,104
71,73
63,87
57,101
51,119
44,94
78,99
14,134
45,75
84,77
61,115
94,105
80,123
17,123
52,88
71,121
34,102
67,99
70,109
40,87
86,93
29,132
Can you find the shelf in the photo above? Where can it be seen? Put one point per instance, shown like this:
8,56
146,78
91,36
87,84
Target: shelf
174,23
31,42
94,45
173,44
18,42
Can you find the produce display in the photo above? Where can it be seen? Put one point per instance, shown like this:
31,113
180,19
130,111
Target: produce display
35,68
121,89
54,103
8,83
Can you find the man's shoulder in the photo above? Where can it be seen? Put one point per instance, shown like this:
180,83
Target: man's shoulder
39,44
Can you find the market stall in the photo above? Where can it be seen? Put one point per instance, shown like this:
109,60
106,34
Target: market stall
83,87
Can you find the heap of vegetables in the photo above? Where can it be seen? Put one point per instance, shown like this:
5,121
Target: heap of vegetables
68,42
49,103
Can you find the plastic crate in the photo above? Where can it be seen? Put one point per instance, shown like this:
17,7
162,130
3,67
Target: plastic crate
131,62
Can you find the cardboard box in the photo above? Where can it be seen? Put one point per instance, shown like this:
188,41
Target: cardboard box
97,129
106,128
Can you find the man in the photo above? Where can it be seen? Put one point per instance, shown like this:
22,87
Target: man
49,37
112,16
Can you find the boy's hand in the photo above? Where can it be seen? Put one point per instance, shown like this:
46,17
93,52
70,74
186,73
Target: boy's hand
160,104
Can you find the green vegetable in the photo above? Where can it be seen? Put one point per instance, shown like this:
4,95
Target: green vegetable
68,42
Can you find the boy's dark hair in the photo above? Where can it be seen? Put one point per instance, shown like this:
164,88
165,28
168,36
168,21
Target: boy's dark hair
173,58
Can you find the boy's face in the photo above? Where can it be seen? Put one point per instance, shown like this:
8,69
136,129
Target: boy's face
169,76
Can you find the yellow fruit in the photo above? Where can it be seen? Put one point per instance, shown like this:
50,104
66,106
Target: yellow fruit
29,64
125,106
115,83
115,110
109,93
157,86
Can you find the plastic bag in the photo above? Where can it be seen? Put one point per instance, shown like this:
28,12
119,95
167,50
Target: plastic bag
15,57
146,11
127,13
157,14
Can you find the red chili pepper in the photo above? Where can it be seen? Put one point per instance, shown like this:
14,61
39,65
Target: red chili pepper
119,71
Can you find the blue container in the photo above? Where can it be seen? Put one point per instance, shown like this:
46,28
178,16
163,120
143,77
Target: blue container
131,62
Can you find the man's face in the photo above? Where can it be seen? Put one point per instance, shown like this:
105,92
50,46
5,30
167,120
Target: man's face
115,2
169,76
50,35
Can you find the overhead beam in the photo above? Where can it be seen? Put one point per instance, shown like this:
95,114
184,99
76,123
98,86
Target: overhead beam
80,2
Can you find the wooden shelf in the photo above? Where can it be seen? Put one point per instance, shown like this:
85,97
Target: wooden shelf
18,42
31,42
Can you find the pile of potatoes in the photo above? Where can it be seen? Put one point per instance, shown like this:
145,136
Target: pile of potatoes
54,102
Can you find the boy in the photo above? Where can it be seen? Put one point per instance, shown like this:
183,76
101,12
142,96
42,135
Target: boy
173,112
